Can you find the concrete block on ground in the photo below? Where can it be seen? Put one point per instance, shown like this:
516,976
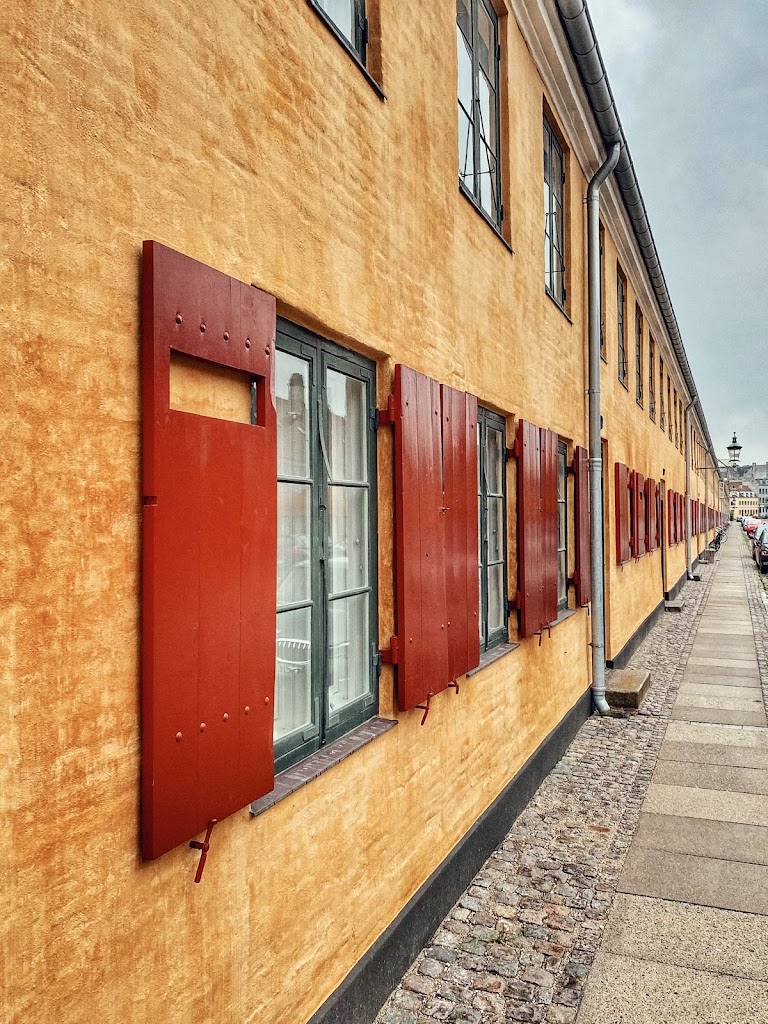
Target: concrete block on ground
626,687
708,555
673,606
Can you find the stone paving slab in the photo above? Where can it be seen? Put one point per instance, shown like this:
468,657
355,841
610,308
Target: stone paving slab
706,688
730,885
686,935
623,990
713,753
703,837
682,801
692,698
727,665
709,776
732,735
717,716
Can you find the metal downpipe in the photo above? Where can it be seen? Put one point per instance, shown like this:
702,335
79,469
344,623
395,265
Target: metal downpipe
595,441
687,422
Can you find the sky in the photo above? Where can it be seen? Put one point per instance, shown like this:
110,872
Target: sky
690,80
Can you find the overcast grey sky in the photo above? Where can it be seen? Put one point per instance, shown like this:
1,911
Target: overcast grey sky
690,81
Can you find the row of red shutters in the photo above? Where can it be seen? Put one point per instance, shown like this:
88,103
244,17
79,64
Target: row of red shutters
638,518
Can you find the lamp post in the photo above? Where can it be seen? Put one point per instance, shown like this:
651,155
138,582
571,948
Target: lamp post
734,451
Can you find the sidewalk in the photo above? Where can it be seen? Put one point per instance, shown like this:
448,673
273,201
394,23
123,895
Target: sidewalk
654,824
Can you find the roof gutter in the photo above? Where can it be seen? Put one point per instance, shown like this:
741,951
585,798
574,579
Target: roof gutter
586,53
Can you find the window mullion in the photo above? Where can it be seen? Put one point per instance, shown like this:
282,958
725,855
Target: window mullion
320,630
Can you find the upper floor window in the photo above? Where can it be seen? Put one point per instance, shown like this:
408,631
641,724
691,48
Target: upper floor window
554,238
651,377
669,405
602,292
348,17
562,526
662,414
621,325
477,39
638,355
492,534
325,680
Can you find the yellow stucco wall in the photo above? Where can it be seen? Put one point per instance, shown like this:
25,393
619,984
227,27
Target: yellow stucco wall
243,135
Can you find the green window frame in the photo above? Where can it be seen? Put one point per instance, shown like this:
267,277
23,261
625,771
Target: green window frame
327,623
477,42
638,356
621,326
347,20
492,527
562,526
651,377
554,216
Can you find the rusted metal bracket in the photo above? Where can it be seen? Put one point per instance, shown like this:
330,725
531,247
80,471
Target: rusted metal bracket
425,707
204,847
386,417
390,655
454,686
548,628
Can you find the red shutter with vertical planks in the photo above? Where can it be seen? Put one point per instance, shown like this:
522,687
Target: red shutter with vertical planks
209,557
459,414
670,518
650,514
582,519
621,480
422,667
549,511
529,527
638,511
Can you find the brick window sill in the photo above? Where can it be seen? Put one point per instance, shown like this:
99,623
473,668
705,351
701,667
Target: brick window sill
320,761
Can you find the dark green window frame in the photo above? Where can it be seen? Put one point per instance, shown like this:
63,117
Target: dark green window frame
477,41
554,216
621,327
562,526
638,356
319,356
492,528
352,30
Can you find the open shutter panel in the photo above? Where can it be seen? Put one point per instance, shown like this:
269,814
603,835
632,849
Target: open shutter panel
529,527
638,511
549,511
422,667
671,517
462,582
681,513
650,514
582,518
621,479
209,566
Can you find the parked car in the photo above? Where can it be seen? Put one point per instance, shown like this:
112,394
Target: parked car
751,527
756,536
760,552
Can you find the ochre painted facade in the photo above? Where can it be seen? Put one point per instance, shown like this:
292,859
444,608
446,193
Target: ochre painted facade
245,136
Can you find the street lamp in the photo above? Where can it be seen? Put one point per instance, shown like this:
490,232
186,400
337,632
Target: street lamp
734,450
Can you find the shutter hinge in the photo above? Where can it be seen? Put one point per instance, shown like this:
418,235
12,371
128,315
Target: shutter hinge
204,847
513,604
425,707
386,417
391,655
498,51
513,452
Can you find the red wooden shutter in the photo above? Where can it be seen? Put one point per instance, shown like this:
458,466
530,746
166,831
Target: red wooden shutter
638,511
461,527
549,511
622,512
650,514
209,557
681,515
529,528
422,667
582,519
672,520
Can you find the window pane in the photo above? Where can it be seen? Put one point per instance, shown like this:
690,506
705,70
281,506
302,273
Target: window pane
341,13
348,555
292,396
465,70
562,581
487,99
346,427
348,651
495,529
495,597
494,461
487,181
293,543
293,693
463,18
486,40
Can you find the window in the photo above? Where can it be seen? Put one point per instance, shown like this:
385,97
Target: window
682,427
638,356
477,40
348,17
651,377
669,404
562,526
325,680
602,292
675,407
492,533
662,423
621,325
554,239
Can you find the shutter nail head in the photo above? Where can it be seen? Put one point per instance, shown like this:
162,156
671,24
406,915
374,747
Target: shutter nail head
202,727
266,700
226,335
247,710
178,318
202,328
178,737
226,717
247,342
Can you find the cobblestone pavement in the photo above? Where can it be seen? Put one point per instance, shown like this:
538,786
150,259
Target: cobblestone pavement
519,943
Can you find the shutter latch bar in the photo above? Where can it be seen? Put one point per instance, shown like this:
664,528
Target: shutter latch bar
204,847
425,707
